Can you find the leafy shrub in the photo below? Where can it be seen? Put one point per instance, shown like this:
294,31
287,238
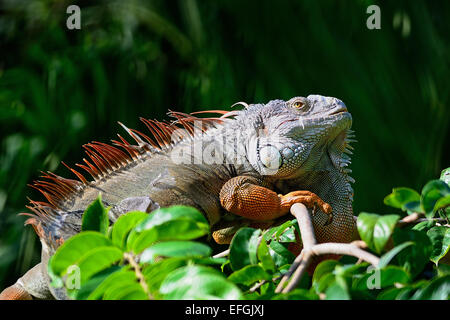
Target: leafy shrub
161,256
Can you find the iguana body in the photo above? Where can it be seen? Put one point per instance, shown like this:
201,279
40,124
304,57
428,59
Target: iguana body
246,167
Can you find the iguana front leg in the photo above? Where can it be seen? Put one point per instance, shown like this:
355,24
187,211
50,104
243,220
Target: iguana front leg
244,196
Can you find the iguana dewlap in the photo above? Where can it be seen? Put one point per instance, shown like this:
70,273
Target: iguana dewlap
244,167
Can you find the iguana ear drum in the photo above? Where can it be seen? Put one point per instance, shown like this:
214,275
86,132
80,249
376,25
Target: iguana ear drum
270,157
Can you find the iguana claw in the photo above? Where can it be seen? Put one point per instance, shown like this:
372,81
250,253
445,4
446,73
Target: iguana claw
309,199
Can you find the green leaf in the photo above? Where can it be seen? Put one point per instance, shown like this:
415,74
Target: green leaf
95,260
210,261
95,217
375,230
337,291
135,292
351,270
112,282
176,223
125,291
249,275
322,269
124,225
243,248
388,256
401,197
437,289
445,176
431,193
185,249
155,273
265,258
163,215
442,203
198,282
413,258
280,254
297,294
282,233
324,275
88,288
382,278
392,293
75,248
143,240
440,240
424,225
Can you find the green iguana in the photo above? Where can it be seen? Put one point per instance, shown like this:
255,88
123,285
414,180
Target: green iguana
243,167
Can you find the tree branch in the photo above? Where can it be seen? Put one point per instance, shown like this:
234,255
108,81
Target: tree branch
311,249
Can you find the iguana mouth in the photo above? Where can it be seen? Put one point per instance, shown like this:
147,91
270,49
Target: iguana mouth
339,111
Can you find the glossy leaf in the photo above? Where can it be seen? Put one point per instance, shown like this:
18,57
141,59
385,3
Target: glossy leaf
95,217
265,258
388,256
382,278
124,225
98,259
155,273
431,193
176,223
437,289
375,230
324,275
280,254
75,248
297,294
413,258
88,288
443,202
440,240
143,240
249,275
185,249
337,291
445,176
112,282
401,197
243,248
198,282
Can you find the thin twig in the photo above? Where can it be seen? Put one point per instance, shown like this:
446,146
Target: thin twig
137,270
344,249
222,254
259,284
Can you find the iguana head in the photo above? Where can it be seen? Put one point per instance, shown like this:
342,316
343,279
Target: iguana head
298,135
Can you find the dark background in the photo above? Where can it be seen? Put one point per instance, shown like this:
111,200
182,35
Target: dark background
61,88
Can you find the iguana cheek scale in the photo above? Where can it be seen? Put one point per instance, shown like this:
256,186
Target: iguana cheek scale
250,165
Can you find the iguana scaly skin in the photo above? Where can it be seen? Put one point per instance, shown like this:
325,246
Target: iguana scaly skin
245,167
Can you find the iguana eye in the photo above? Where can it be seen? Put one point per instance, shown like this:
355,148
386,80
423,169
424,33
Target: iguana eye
298,103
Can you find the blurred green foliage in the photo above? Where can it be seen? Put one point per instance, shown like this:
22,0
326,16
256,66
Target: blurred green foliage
61,88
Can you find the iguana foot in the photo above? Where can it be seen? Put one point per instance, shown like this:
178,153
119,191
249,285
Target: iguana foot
32,285
15,292
309,199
